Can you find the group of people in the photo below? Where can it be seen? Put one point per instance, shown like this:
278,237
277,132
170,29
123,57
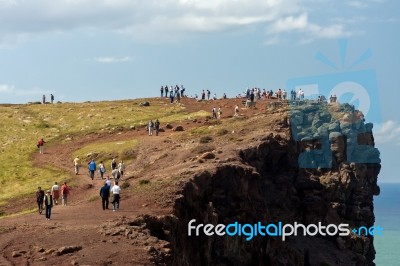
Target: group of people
44,98
51,197
216,114
105,191
117,169
173,92
151,126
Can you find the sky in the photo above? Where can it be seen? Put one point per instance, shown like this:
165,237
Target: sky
88,50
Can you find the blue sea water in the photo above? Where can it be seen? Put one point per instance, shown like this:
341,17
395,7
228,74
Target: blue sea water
387,216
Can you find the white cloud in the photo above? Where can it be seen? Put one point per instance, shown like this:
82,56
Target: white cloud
113,59
357,4
156,20
388,132
11,89
309,31
5,88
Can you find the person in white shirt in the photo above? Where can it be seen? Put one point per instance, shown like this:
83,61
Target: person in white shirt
55,192
116,191
108,181
121,168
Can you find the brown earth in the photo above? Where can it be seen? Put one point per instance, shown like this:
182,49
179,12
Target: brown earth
165,161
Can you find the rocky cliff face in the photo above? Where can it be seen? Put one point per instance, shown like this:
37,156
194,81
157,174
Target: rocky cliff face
324,171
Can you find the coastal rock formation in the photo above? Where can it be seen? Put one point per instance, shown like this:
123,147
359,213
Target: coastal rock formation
268,183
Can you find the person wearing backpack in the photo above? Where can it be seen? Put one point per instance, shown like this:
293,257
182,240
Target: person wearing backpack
39,199
64,194
48,203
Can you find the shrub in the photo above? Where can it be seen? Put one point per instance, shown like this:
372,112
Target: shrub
205,139
144,182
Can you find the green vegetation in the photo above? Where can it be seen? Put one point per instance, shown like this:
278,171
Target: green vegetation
144,182
106,151
22,125
205,139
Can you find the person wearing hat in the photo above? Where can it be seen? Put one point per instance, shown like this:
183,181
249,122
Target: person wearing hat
48,203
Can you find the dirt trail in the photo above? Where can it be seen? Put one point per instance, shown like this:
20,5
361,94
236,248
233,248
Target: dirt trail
79,222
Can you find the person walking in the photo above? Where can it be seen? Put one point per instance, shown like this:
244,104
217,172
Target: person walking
102,169
108,182
236,110
40,145
166,91
48,203
64,194
150,127
51,98
157,126
121,168
214,113
39,199
92,168
116,190
77,165
105,195
171,96
113,164
43,99
219,112
55,192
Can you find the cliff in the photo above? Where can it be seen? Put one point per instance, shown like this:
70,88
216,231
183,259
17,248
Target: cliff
320,165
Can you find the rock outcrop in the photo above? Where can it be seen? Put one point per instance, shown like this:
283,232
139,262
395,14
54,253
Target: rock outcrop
315,176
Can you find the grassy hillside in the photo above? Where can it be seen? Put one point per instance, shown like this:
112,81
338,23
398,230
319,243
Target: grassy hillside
22,125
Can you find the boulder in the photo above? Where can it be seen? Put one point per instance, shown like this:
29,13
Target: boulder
144,104
178,128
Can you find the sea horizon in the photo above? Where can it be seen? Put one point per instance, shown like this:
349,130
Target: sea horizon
387,216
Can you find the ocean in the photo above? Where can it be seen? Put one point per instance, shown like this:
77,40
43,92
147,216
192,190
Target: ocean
387,216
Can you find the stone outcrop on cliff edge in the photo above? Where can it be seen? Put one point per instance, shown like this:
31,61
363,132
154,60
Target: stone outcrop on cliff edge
266,184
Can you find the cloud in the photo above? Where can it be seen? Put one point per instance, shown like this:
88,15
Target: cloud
22,20
388,132
5,88
11,89
113,59
357,4
309,31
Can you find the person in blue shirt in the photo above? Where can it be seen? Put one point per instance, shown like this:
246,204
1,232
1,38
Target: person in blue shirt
92,168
